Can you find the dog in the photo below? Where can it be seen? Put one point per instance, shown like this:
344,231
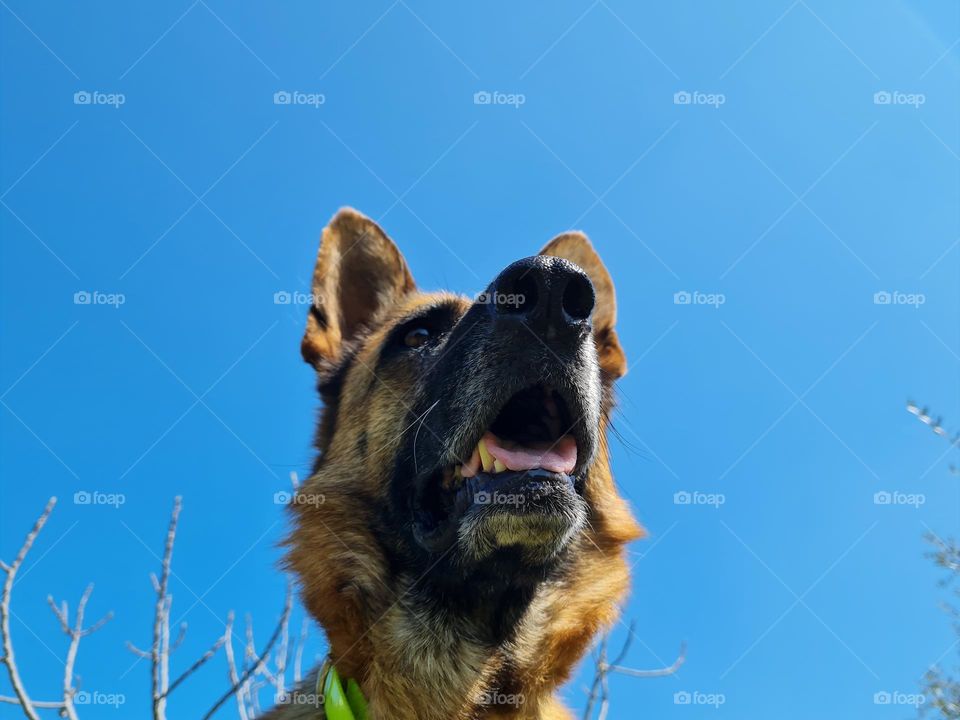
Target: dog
460,539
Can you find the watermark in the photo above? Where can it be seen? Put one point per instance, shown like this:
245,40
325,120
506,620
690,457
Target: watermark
686,697
884,297
896,97
84,497
498,498
96,297
295,297
685,297
95,97
896,497
494,697
286,497
685,497
296,97
685,97
486,97
895,697
300,698
514,300
95,697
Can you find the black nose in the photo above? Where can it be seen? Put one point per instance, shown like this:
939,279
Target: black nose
551,295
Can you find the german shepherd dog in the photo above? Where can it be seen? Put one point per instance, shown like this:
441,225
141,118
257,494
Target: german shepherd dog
468,542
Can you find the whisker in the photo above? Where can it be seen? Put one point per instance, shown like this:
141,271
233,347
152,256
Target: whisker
416,435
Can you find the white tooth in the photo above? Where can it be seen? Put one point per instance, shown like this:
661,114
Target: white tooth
486,459
498,466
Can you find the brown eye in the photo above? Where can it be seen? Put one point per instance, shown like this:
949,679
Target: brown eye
416,337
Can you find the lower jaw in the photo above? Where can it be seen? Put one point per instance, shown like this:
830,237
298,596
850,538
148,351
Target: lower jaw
505,509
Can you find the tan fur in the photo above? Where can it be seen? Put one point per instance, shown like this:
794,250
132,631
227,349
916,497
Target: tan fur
408,665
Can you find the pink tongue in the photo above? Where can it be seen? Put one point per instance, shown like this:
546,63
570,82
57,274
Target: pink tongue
559,456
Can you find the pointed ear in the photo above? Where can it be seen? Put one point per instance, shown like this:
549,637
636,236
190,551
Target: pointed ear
359,271
575,247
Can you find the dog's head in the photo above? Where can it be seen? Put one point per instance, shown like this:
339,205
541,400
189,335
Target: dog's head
462,441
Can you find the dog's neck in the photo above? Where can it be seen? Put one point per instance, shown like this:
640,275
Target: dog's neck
420,660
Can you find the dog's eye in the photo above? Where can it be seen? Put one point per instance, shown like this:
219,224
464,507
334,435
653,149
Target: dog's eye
416,337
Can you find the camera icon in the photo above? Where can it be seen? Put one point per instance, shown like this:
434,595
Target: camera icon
82,97
482,97
882,498
882,298
682,298
483,498
682,698
82,497
883,97
682,98
282,297
282,97
81,698
882,698
282,497
82,298
682,498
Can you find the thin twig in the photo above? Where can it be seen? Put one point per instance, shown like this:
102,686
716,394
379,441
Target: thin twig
75,633
255,667
232,669
8,658
160,656
599,689
298,657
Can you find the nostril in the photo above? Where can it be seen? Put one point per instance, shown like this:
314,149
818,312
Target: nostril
517,294
578,298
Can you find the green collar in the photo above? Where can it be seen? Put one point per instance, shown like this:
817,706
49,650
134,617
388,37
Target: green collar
340,704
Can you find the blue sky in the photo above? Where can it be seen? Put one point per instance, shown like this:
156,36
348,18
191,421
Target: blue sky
782,197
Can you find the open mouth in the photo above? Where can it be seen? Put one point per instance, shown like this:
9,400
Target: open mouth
528,434
521,463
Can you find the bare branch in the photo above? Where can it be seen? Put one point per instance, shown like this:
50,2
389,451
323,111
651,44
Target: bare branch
197,664
298,657
160,655
137,651
232,669
75,633
660,672
599,690
8,658
181,636
60,613
43,704
256,666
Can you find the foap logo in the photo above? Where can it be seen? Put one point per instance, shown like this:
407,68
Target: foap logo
95,97
884,297
896,497
896,97
486,97
896,697
84,497
685,97
285,497
498,498
286,297
494,697
296,697
95,697
296,97
686,497
696,697
513,300
685,297
96,297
